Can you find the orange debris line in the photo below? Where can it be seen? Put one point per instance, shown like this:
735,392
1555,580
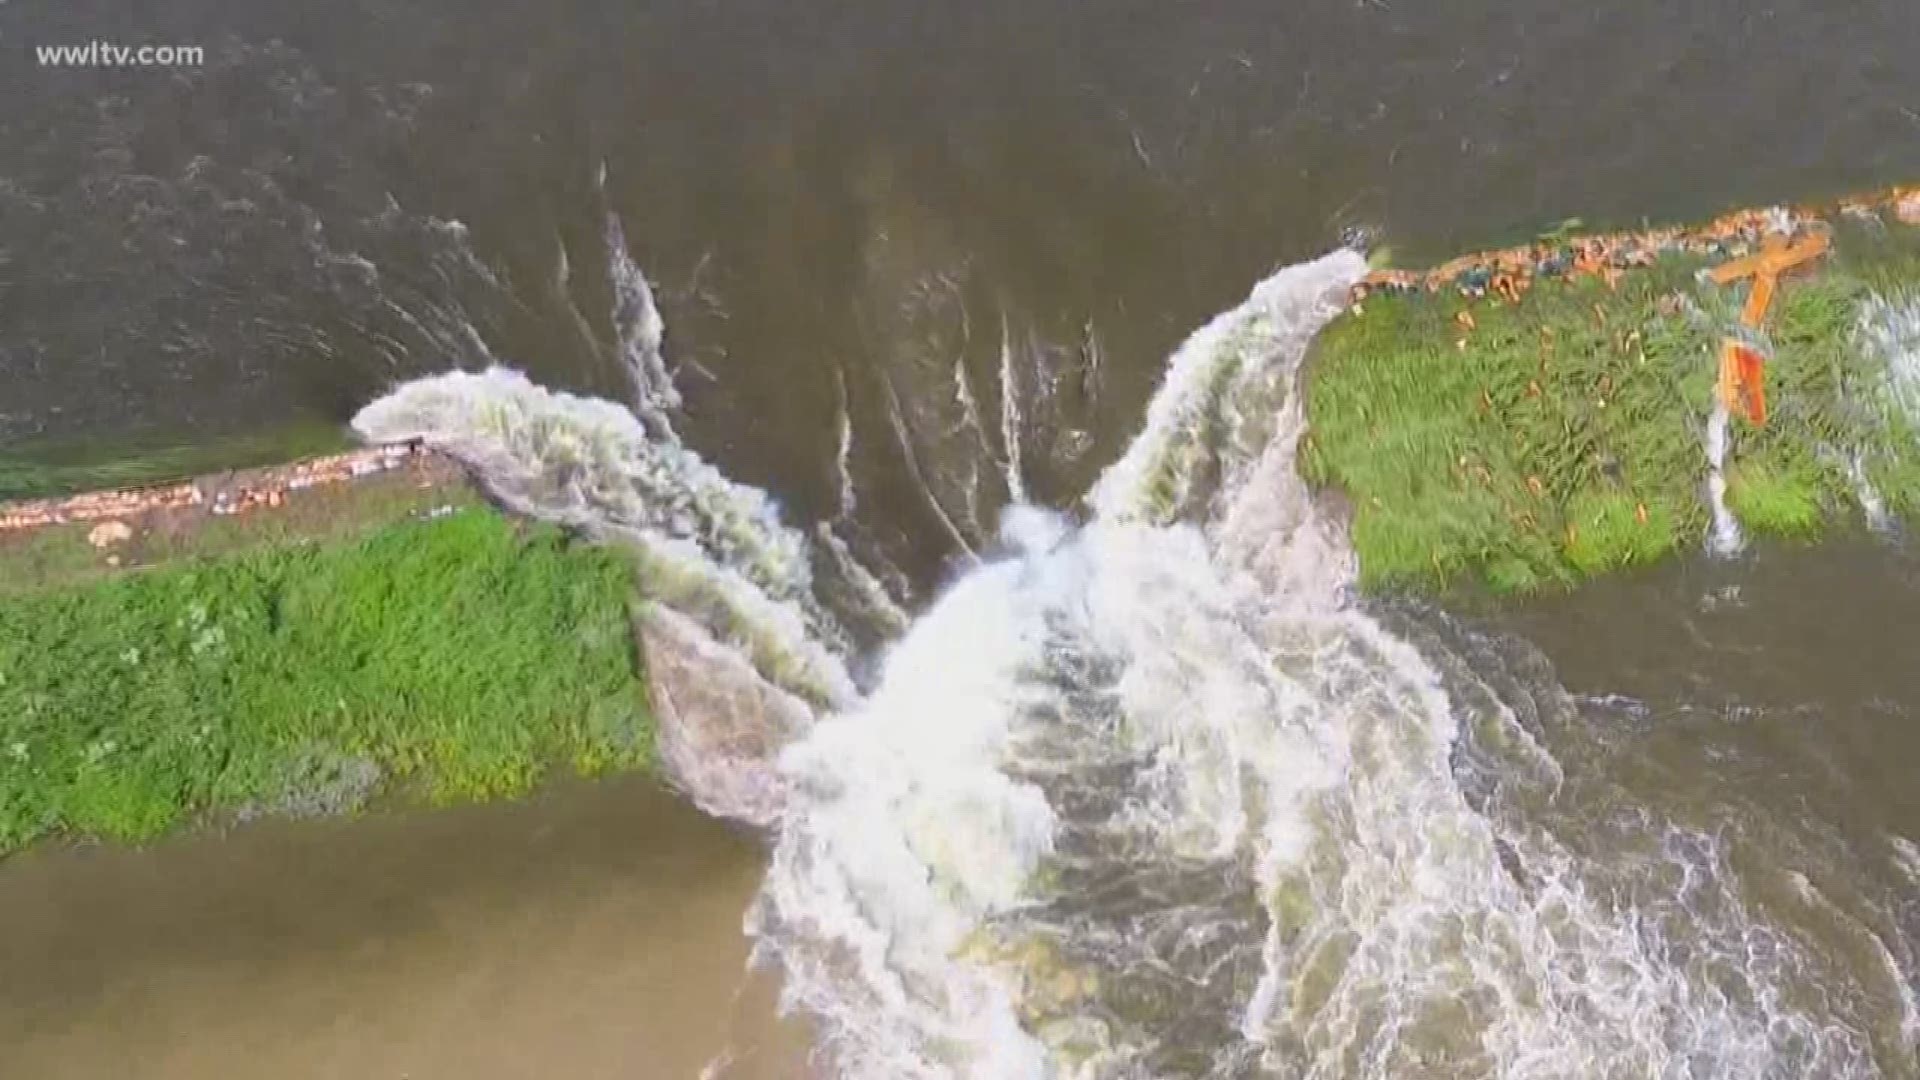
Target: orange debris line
267,488
1508,273
1759,244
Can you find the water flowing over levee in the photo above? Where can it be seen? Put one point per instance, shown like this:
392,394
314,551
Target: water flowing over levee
709,544
1725,538
1153,796
1890,332
642,332
734,594
1010,423
1148,792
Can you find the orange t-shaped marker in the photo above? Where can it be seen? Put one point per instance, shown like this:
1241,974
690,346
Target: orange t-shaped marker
1742,377
1775,256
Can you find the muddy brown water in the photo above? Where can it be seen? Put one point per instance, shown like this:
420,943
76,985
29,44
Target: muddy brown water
1791,675
593,931
848,210
836,202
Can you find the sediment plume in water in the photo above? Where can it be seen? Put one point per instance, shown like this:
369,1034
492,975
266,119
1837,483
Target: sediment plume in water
1154,795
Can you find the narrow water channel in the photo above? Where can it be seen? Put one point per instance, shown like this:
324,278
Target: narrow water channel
593,931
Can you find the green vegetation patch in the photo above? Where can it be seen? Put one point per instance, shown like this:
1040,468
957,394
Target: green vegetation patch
36,559
1532,445
447,659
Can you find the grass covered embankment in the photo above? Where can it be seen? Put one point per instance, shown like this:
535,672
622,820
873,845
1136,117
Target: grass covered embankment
1518,442
384,636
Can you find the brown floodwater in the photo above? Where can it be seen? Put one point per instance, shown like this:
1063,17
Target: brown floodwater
910,257
592,931
836,203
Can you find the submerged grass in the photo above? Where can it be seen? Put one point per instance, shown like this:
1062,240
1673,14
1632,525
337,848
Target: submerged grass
37,470
449,659
1532,445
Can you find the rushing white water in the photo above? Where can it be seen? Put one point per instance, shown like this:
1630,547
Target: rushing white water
1871,503
1725,539
641,331
1888,334
713,547
1890,331
843,456
904,436
709,544
1011,425
1152,796
1215,410
876,605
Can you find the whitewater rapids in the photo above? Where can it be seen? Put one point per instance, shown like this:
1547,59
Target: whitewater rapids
1151,795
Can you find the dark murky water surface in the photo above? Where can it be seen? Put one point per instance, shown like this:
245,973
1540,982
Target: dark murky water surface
1763,710
835,202
865,222
1790,678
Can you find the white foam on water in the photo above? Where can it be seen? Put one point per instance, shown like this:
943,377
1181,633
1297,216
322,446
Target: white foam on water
843,454
879,606
641,331
1095,356
1725,539
1156,473
963,396
1888,332
1010,421
897,861
1907,857
591,464
1154,797
970,419
1871,503
1870,932
904,436
914,828
1889,329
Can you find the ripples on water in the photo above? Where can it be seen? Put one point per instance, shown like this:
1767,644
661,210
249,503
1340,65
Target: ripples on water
1138,789
1149,793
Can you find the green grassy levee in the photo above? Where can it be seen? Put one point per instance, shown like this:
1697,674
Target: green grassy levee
1562,437
445,659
